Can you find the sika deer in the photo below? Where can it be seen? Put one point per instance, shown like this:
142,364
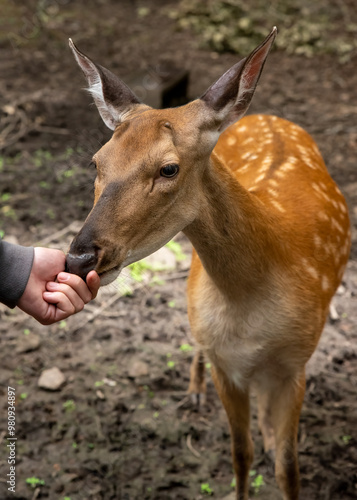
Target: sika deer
270,231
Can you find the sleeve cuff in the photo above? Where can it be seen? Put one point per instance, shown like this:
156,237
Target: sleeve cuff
15,268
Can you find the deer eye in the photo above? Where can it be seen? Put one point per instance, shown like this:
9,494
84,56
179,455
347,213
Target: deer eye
169,170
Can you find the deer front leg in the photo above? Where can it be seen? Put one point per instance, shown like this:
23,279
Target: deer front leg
279,405
236,404
197,387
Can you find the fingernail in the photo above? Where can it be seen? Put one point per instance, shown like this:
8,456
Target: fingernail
63,276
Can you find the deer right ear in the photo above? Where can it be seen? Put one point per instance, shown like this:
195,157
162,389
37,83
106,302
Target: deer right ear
112,97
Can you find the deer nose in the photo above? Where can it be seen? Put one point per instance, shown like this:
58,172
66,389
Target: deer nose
81,264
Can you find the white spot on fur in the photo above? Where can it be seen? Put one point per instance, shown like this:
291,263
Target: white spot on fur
325,283
272,192
273,182
322,216
231,141
311,270
317,240
278,206
342,207
260,178
336,225
280,173
286,167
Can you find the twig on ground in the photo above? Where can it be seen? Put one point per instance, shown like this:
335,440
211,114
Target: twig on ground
191,448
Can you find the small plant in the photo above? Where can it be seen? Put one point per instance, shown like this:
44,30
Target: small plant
172,303
171,364
23,395
206,489
34,481
346,439
138,269
98,383
26,331
69,405
5,197
257,483
186,348
176,249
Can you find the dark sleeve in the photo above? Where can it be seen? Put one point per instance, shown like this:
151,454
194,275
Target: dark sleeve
15,268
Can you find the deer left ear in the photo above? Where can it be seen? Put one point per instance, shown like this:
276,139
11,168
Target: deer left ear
112,97
231,95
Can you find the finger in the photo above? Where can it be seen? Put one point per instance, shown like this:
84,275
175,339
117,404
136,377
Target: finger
93,283
68,292
64,306
77,284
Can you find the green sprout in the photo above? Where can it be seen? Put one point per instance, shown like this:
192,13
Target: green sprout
34,481
346,439
69,405
171,303
156,414
186,348
23,395
98,383
171,364
206,489
257,483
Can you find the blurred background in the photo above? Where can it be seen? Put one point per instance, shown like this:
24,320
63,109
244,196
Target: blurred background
118,425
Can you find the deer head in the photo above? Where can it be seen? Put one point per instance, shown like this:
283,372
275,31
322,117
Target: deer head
150,173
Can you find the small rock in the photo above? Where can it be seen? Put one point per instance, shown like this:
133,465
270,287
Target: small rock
51,379
27,343
138,369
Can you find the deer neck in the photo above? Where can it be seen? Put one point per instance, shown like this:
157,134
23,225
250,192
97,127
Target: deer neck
233,235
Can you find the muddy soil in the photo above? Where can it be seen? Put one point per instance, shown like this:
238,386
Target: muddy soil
122,426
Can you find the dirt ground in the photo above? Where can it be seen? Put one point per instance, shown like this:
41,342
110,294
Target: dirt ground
122,427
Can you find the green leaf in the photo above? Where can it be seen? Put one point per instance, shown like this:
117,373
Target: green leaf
35,481
176,249
186,348
206,489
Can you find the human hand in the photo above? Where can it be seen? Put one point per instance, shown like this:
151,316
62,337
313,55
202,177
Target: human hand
48,301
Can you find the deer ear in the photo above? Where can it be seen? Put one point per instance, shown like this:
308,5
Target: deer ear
231,95
112,97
